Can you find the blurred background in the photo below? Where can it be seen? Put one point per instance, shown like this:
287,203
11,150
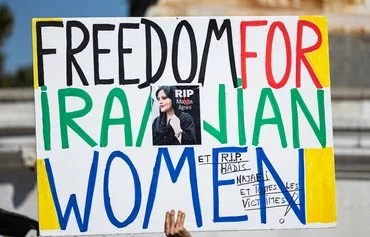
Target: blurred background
349,40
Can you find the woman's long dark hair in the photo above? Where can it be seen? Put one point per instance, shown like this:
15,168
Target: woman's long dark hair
169,91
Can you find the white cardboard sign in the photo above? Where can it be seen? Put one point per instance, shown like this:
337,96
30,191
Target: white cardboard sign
227,119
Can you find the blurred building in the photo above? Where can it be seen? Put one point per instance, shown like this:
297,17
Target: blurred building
344,15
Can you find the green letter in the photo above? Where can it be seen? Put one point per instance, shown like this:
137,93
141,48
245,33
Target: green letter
45,118
259,121
67,118
241,123
220,135
107,120
320,133
144,121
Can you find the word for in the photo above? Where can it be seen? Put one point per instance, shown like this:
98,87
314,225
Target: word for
188,157
184,30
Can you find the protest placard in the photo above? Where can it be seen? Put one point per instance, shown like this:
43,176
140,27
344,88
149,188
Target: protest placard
225,118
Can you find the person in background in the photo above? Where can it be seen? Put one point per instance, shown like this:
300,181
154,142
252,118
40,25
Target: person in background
14,224
174,227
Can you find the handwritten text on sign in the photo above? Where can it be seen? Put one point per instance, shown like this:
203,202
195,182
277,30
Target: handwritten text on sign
228,119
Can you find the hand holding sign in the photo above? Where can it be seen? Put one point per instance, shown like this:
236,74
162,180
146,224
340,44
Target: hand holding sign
175,124
175,228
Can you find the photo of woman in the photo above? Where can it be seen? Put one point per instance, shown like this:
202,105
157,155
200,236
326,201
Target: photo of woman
172,126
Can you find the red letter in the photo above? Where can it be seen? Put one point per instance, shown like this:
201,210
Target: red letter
300,52
243,53
288,53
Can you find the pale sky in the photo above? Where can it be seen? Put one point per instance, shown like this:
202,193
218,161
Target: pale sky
18,47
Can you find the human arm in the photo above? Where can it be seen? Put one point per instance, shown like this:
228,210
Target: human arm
188,127
175,227
14,224
184,128
176,126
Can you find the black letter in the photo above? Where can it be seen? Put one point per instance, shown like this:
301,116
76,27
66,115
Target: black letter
70,58
162,38
193,52
97,51
40,50
122,51
218,33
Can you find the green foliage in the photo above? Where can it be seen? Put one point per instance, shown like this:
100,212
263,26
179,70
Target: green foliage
23,76
6,23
